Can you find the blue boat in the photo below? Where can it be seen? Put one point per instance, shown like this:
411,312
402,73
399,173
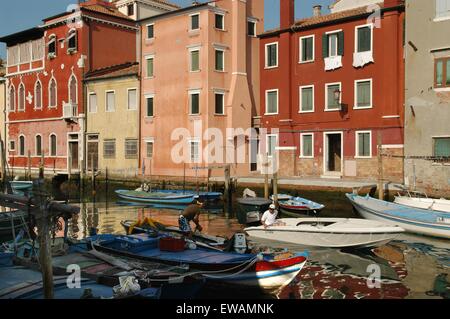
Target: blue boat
156,197
300,205
267,272
21,185
203,196
18,282
414,220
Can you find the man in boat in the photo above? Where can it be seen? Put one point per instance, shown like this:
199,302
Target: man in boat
190,213
269,218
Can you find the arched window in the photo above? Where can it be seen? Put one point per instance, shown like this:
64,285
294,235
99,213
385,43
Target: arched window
38,95
38,145
12,98
21,97
73,89
52,93
22,145
52,145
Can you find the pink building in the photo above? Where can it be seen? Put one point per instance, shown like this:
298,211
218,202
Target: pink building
200,66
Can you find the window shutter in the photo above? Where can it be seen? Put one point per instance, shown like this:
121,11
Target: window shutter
341,43
325,46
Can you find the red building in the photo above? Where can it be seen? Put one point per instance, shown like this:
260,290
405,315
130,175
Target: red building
330,85
45,72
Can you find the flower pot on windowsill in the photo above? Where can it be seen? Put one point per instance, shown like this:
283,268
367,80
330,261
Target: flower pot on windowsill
51,56
71,51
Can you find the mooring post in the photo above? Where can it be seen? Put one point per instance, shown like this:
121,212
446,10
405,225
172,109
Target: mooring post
29,165
227,184
41,167
106,183
184,177
266,176
275,179
92,174
380,167
45,251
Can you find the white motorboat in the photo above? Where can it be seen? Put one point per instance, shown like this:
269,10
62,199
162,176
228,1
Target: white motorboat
421,200
328,232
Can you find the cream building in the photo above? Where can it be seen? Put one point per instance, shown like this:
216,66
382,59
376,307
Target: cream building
112,129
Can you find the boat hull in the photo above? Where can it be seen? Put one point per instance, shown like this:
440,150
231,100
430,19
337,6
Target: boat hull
409,224
176,199
440,205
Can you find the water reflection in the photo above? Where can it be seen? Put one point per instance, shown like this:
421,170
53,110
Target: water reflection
410,267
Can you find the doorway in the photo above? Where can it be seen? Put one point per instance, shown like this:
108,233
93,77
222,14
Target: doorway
333,154
73,150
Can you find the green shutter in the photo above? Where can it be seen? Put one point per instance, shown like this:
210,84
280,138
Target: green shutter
219,60
219,104
325,46
307,145
150,67
439,73
340,36
195,65
363,94
272,106
364,39
150,106
307,97
195,104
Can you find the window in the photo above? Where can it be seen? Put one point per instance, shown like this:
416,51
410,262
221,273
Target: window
22,145
333,44
442,9
12,99
21,97
150,66
13,55
150,31
92,103
149,149
331,101
72,41
219,103
131,148
38,145
52,46
363,94
130,9
53,145
149,103
12,146
109,148
363,38
37,50
364,144
220,61
132,99
441,146
73,94
307,99
271,55
52,93
25,52
110,101
194,151
251,28
442,73
194,103
272,102
195,60
38,95
307,49
307,145
219,21
272,141
195,22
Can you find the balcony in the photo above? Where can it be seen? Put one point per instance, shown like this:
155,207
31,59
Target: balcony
70,111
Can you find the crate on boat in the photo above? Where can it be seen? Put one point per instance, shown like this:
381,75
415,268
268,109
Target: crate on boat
171,244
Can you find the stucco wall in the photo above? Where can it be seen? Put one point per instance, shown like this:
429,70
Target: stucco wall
119,125
427,110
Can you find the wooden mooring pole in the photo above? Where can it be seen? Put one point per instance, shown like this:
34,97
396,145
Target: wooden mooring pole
275,179
380,167
266,176
227,175
29,165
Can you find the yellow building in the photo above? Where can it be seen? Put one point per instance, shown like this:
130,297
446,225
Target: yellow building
112,120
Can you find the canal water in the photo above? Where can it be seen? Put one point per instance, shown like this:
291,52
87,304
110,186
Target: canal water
409,267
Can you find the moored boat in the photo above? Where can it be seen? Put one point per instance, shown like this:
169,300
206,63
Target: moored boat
202,196
328,232
424,202
269,272
16,218
300,205
414,220
250,209
156,197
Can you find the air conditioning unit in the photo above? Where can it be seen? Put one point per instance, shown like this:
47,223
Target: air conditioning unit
70,110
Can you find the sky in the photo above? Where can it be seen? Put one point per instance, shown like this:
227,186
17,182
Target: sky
18,15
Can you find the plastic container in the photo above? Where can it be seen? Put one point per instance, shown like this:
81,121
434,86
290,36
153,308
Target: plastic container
172,244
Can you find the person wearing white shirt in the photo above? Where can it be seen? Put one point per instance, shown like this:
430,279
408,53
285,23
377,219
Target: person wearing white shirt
269,217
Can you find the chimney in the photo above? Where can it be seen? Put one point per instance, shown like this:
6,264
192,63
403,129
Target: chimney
317,10
287,13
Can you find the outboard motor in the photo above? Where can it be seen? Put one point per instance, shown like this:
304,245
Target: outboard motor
240,243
